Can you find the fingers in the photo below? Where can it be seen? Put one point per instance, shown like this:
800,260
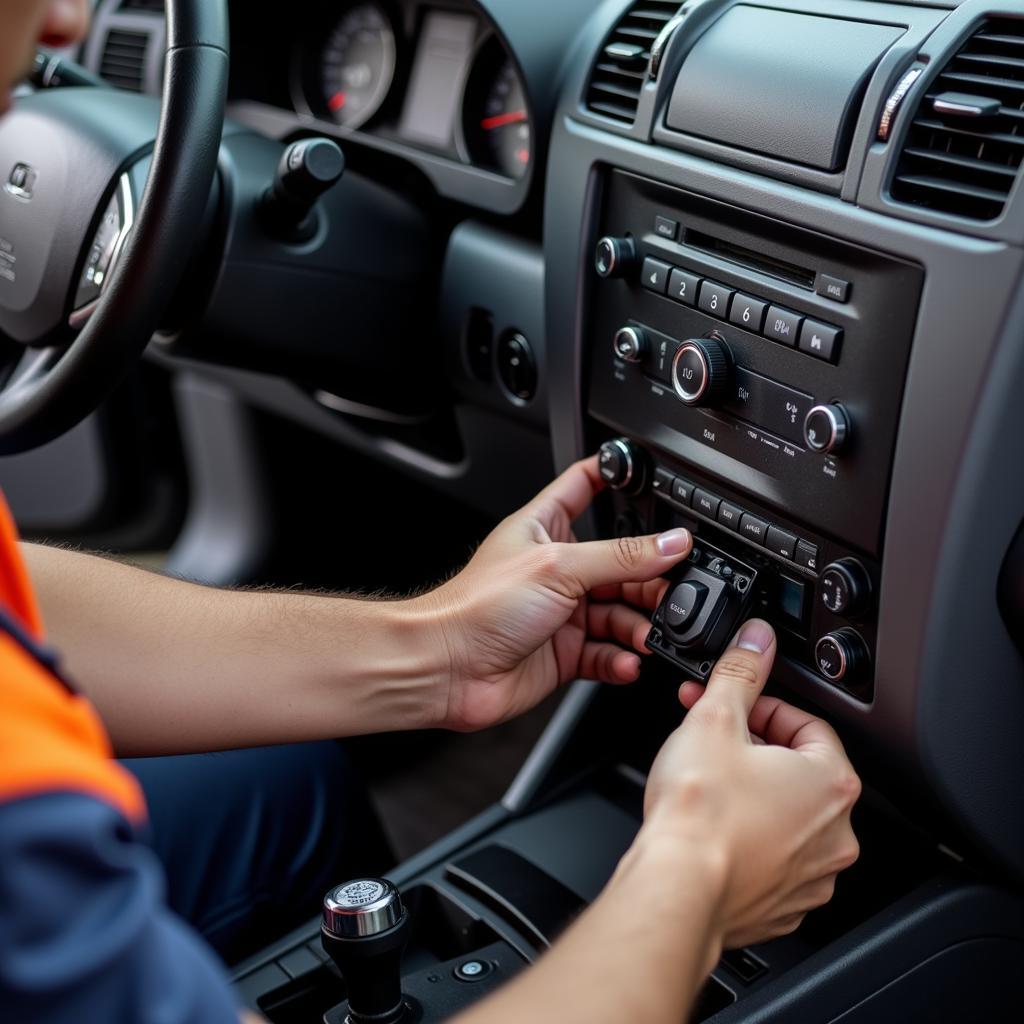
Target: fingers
620,623
741,673
603,562
641,595
573,491
607,663
783,725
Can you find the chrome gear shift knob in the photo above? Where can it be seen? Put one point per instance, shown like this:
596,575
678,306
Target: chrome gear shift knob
364,930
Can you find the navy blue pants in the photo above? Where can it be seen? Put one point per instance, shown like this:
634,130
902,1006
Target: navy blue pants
251,839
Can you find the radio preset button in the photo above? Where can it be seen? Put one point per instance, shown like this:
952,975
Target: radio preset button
707,503
662,483
821,340
833,287
730,515
682,491
683,287
783,325
807,555
748,313
753,528
665,227
654,276
781,542
715,298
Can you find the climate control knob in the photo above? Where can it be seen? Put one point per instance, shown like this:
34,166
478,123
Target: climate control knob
701,371
841,655
622,465
845,587
826,429
615,257
630,344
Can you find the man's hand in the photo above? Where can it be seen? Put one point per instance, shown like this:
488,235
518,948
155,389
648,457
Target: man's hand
534,609
765,790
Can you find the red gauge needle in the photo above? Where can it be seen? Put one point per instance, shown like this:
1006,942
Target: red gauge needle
513,117
337,101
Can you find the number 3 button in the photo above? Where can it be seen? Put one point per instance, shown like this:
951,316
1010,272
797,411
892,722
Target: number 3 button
748,313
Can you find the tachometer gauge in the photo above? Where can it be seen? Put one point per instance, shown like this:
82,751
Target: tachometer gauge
358,65
496,127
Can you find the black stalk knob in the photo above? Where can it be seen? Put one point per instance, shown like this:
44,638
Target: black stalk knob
307,170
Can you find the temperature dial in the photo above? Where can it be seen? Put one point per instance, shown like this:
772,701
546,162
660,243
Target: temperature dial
623,465
845,587
700,371
826,429
841,656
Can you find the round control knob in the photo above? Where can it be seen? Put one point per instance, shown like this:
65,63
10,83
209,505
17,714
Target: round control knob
841,655
615,257
845,587
700,371
826,429
630,344
622,465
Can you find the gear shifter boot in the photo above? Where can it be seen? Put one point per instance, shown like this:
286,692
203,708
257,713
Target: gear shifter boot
364,930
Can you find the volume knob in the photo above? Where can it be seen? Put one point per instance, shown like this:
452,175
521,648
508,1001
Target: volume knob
845,587
622,465
701,371
826,429
630,344
615,257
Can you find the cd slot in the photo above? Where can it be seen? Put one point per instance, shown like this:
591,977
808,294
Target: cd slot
803,277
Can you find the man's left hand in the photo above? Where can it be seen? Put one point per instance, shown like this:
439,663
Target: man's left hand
535,609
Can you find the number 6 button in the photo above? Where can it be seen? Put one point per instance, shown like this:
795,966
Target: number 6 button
748,313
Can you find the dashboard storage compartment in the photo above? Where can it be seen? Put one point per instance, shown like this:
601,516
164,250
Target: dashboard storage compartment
782,84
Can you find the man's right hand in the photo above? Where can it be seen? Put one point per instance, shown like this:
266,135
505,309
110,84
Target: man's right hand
763,789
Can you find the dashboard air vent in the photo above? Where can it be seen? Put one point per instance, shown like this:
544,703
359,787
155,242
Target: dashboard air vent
966,143
123,61
618,76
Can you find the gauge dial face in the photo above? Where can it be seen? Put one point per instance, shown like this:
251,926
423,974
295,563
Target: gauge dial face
358,65
496,120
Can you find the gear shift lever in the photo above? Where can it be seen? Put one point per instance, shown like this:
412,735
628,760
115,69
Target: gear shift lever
364,930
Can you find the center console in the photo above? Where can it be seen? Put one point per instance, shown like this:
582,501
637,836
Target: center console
753,371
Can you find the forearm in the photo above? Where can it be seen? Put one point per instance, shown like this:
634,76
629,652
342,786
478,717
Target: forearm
174,667
641,952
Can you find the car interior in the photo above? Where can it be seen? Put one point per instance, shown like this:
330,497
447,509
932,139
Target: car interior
326,310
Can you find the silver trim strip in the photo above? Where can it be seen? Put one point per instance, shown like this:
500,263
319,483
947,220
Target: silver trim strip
895,101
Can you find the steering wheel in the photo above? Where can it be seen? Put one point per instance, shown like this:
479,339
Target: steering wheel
89,257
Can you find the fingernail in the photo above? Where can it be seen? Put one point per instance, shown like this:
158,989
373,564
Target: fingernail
755,636
674,542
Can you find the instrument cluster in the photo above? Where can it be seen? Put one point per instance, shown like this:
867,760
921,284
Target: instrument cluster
438,78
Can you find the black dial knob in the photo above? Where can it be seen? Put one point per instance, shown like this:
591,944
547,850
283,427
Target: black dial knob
826,429
701,371
623,465
841,656
615,257
845,587
630,344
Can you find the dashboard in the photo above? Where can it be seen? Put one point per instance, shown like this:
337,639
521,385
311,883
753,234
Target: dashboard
772,251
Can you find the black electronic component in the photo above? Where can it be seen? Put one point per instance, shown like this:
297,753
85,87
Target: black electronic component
517,367
630,344
702,609
826,429
841,656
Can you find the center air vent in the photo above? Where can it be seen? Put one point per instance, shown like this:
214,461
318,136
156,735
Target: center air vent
966,143
618,76
123,61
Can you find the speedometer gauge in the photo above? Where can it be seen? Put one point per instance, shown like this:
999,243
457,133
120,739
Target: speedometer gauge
496,129
358,65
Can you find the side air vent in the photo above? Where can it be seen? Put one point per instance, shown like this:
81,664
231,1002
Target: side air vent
966,143
618,76
123,61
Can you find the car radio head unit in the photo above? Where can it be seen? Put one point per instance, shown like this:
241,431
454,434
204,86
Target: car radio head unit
754,371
